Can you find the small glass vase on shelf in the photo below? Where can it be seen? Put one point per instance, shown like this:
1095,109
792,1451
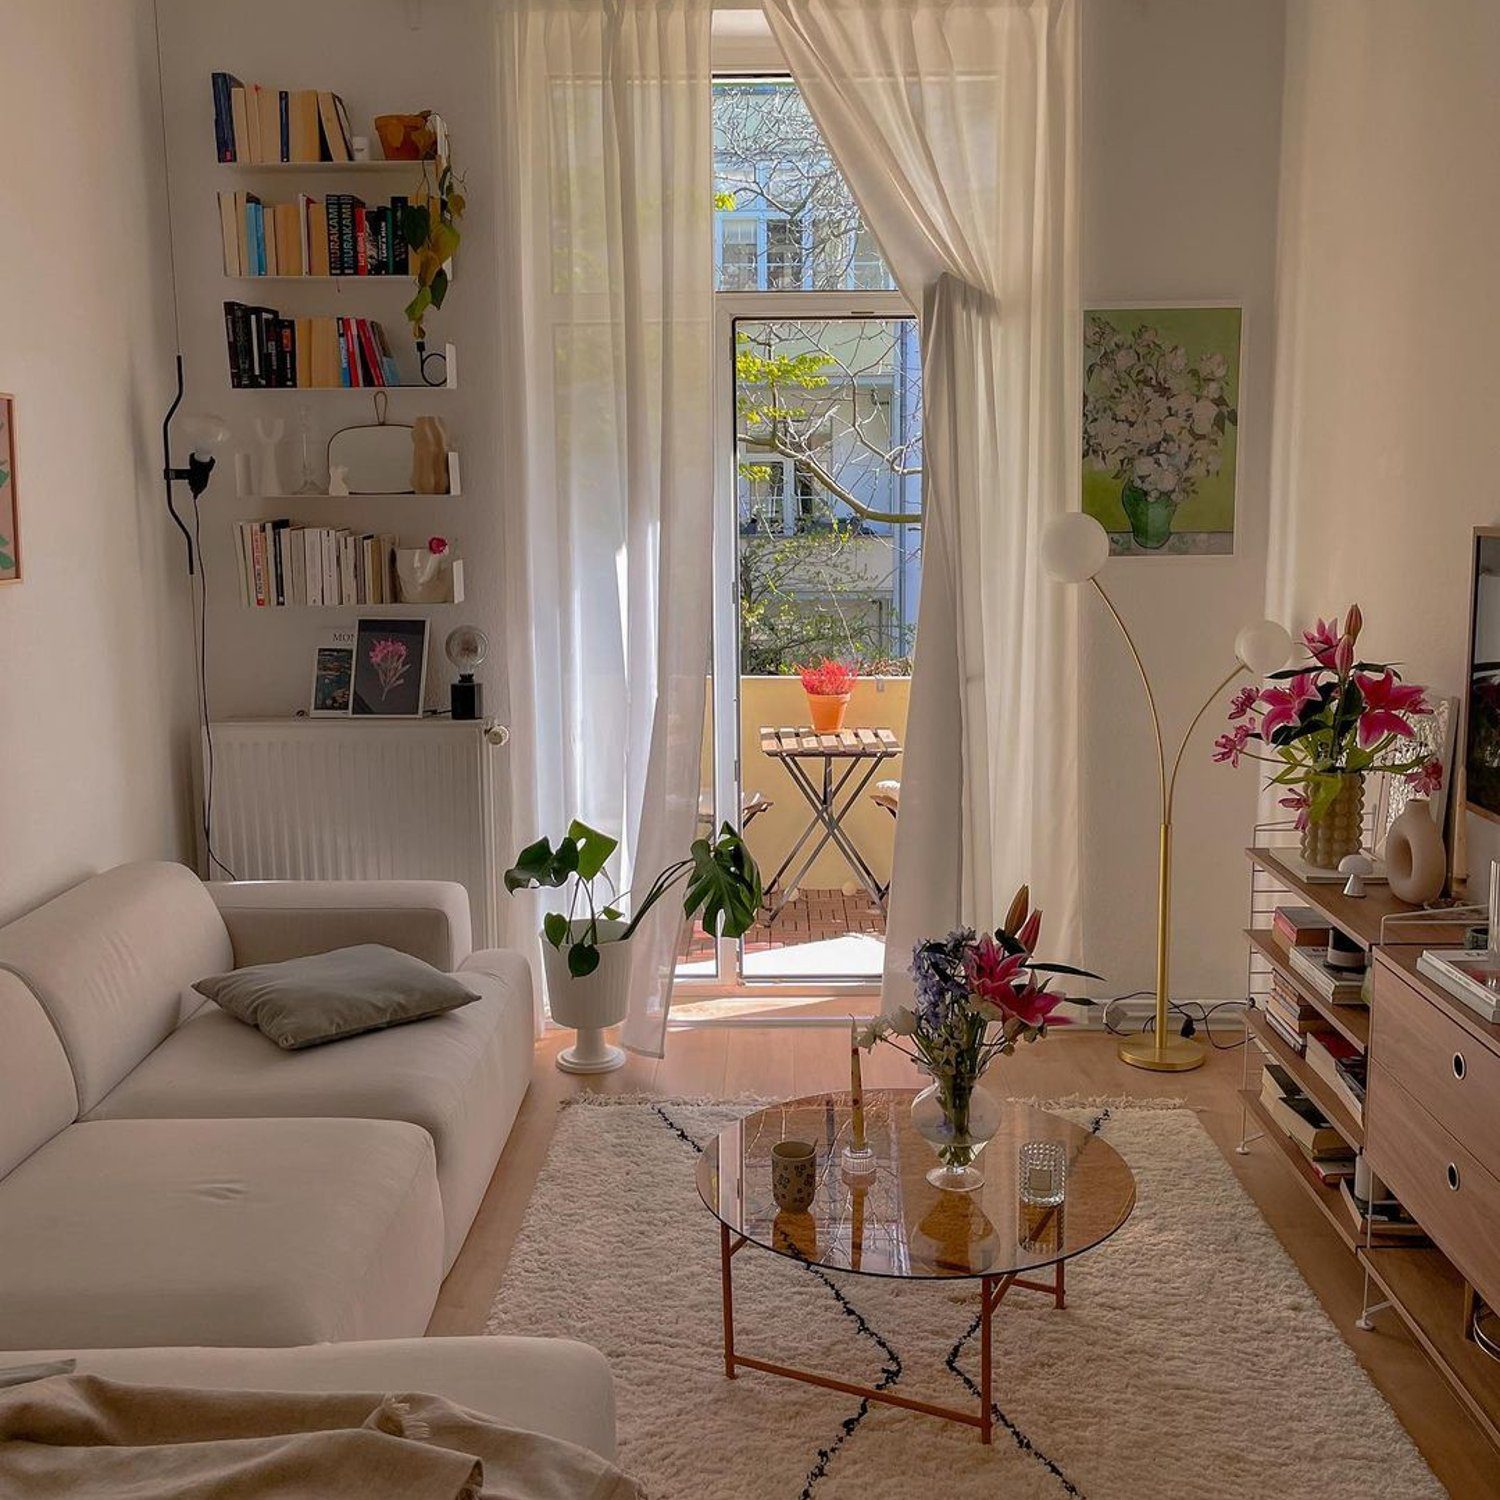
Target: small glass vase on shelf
977,996
1323,727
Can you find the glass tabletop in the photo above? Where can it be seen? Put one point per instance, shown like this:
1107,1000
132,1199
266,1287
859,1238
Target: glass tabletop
892,1221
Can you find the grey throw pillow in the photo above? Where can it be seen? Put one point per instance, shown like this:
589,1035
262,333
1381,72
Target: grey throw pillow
306,1001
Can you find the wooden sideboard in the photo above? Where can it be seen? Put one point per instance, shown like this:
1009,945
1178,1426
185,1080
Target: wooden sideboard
1430,1130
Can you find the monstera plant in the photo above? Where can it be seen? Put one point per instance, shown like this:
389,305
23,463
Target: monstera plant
723,885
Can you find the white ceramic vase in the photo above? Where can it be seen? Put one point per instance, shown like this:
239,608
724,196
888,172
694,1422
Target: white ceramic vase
1415,862
420,576
591,1004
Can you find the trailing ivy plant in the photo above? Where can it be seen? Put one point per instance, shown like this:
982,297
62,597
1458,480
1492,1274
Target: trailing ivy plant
723,884
431,230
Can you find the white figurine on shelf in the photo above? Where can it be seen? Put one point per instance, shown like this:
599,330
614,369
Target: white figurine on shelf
1356,867
270,434
338,479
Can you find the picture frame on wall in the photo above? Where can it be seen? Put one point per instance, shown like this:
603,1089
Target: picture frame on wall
10,508
1161,426
390,669
333,675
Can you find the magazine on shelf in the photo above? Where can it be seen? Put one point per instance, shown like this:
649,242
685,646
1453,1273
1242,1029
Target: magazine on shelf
1472,978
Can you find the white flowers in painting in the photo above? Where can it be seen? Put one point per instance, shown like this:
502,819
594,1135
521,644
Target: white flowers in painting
1152,417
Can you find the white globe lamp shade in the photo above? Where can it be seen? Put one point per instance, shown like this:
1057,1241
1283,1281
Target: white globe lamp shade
1264,647
1074,547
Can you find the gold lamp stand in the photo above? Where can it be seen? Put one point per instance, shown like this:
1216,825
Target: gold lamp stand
1074,548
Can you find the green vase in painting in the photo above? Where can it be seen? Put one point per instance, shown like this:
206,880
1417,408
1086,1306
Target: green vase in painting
1150,516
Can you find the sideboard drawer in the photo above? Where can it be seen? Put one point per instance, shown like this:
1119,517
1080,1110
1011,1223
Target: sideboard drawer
1440,1183
1454,1075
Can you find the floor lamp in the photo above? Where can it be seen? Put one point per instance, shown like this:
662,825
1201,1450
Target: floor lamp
1075,548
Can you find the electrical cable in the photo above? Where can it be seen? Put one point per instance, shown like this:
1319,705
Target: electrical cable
205,722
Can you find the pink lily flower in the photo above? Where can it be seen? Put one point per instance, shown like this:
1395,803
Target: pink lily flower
1427,779
1031,930
1322,641
1229,746
1034,1006
1343,655
1301,804
1242,702
1282,705
992,972
1387,701
1354,622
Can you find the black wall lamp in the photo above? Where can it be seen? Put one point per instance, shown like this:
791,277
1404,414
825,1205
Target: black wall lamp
205,433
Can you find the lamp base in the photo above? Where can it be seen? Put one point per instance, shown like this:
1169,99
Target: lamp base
1175,1055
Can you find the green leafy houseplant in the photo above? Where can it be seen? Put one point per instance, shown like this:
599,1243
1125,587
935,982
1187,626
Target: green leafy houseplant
723,883
431,230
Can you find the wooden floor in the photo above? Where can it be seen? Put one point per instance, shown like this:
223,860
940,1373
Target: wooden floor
725,1061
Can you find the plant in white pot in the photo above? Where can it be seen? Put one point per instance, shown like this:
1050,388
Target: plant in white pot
587,957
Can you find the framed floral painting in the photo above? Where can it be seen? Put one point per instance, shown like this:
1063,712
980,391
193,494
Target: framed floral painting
390,668
10,510
1161,396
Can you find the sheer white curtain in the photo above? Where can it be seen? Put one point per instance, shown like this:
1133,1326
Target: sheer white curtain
603,222
956,125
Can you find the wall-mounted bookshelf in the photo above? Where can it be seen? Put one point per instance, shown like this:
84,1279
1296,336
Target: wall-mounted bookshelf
412,167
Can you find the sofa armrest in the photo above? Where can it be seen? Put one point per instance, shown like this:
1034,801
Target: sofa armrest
271,920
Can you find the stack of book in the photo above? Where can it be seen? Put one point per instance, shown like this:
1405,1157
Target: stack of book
283,566
337,235
1385,1217
1300,927
257,125
1330,1156
270,352
1336,986
1290,1016
1341,1065
1472,977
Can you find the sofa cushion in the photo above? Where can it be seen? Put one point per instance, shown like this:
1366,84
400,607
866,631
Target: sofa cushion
460,1076
328,997
37,1097
226,1232
269,920
553,1386
109,961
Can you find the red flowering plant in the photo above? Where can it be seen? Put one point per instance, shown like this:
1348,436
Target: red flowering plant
1334,716
977,996
829,678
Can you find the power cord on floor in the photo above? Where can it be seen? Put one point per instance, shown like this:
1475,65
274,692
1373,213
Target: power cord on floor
1190,1025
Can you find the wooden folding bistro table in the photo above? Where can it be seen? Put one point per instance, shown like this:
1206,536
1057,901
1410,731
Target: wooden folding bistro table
858,754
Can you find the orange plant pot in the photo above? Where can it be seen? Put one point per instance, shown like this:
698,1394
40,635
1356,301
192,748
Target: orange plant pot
827,711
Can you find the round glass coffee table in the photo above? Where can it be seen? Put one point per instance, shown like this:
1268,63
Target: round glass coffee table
892,1222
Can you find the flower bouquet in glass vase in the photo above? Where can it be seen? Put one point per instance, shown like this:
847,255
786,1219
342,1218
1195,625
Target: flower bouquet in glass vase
1324,726
978,995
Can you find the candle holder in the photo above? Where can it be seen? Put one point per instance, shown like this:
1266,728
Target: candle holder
1043,1173
858,1161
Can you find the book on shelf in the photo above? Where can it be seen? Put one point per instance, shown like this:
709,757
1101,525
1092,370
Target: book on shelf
1300,927
1337,986
268,351
338,235
1300,1118
285,566
1471,977
1291,1016
1342,1066
1385,1217
254,125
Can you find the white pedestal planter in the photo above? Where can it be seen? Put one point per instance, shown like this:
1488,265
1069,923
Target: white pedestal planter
591,1004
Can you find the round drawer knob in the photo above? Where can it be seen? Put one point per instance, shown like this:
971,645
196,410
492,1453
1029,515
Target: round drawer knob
1460,1067
1453,1176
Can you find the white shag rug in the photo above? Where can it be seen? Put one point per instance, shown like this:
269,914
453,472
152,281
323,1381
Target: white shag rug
1191,1361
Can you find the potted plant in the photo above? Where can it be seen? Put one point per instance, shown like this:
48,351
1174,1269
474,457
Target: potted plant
828,685
1326,725
978,996
586,952
430,227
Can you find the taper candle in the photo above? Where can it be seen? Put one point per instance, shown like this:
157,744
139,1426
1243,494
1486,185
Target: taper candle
856,1088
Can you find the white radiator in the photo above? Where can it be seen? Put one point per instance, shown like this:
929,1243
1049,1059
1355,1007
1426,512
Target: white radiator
319,799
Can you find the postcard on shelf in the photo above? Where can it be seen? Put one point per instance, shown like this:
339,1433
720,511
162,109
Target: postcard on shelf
333,674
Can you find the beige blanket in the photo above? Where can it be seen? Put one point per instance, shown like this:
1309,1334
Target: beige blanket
88,1438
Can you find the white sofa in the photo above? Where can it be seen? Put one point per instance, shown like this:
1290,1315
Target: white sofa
169,1177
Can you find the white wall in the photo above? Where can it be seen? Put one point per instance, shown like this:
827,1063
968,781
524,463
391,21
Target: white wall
382,56
95,666
1181,135
1390,320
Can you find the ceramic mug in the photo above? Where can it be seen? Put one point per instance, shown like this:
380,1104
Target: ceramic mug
794,1175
